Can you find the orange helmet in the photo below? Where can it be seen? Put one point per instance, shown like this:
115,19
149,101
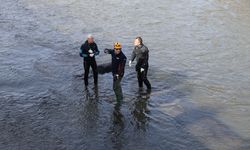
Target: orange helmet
117,45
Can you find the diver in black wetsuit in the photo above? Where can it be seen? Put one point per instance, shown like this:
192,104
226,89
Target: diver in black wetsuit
88,51
141,53
118,67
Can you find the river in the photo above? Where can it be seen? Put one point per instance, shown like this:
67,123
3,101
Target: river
199,71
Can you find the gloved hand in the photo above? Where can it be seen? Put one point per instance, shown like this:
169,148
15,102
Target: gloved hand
116,76
130,63
91,55
90,51
80,54
142,69
106,50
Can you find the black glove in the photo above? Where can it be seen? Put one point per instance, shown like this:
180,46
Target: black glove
106,50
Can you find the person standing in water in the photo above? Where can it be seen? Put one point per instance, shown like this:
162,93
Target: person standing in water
141,53
118,67
88,51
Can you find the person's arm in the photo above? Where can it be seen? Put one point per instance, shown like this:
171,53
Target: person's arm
143,62
121,66
108,51
97,50
132,58
83,52
133,55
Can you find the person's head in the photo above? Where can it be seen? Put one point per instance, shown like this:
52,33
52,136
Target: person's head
117,48
90,38
138,41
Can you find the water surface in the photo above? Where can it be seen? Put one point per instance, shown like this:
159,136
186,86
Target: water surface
199,70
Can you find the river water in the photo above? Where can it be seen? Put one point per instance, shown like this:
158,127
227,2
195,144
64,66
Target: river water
199,70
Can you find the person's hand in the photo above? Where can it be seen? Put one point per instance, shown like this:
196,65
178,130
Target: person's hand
130,63
142,69
91,55
106,50
90,51
116,76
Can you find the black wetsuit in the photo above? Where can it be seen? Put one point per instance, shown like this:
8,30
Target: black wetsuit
118,69
141,53
89,61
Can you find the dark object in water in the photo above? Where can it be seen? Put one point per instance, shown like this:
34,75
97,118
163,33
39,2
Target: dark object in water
104,68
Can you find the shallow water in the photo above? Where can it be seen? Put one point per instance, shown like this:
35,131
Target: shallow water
199,70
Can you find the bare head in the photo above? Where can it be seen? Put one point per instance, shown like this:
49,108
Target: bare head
138,41
90,38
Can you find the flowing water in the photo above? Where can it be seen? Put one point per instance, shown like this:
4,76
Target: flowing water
199,70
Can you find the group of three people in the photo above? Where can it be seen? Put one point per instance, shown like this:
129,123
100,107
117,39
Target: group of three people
90,49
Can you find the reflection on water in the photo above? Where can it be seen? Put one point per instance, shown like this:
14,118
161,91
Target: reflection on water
141,110
117,129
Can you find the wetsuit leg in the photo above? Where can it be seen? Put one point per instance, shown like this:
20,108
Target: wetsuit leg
117,88
95,72
86,65
145,78
140,79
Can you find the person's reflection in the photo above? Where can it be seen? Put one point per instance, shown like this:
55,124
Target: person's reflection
91,99
117,127
117,115
93,96
96,93
89,113
141,110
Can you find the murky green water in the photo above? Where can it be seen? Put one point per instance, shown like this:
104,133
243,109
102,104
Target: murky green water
199,70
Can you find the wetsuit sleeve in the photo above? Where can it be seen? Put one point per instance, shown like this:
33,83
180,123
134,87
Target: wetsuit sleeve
83,52
144,61
133,55
108,51
97,51
121,66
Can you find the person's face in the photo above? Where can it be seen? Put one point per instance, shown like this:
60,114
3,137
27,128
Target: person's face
117,51
90,40
136,42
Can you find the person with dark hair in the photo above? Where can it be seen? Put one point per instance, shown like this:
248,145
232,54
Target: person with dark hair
141,53
118,68
88,51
